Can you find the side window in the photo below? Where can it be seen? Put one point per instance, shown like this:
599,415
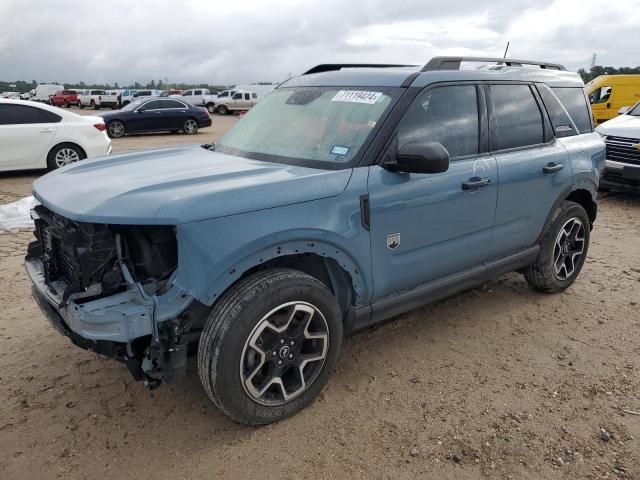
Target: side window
171,104
23,115
223,94
237,96
247,96
563,125
197,92
447,115
518,117
188,93
601,95
574,100
154,105
254,95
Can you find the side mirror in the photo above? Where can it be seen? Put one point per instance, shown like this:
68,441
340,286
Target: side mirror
420,157
623,110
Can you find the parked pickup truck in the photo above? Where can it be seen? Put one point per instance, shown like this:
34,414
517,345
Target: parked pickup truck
64,98
98,99
239,101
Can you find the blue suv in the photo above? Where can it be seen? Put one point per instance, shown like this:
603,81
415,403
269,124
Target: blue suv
349,195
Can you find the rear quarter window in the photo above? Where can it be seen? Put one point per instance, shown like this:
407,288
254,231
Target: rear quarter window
575,101
563,125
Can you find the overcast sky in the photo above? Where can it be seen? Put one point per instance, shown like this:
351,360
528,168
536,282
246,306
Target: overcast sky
266,40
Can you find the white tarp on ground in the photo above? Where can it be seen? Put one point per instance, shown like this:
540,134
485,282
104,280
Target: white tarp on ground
15,216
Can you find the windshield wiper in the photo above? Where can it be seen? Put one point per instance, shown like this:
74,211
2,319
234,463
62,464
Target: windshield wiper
209,146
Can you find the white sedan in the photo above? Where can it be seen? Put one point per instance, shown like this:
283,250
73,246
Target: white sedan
41,136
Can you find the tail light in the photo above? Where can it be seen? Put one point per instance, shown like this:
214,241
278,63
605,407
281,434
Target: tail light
100,126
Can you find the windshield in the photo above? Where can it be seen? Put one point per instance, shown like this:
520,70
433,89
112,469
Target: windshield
132,106
635,110
312,123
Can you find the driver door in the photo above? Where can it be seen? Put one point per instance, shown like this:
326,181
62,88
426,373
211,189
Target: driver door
427,226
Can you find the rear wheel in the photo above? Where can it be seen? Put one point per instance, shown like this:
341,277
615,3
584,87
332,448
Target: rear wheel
66,104
80,105
270,345
563,249
94,106
116,129
211,107
190,126
222,110
64,154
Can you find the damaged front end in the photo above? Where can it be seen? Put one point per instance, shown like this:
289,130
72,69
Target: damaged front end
110,289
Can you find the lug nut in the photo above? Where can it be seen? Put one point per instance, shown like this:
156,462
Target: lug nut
292,342
290,356
279,362
282,340
273,353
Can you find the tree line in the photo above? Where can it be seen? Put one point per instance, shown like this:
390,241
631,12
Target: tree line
25,86
597,70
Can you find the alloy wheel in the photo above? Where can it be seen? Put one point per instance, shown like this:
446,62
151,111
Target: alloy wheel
568,248
65,156
116,129
190,126
284,353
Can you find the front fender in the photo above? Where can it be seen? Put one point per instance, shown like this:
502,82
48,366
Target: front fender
215,253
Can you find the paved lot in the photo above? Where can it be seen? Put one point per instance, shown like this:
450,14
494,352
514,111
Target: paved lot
511,383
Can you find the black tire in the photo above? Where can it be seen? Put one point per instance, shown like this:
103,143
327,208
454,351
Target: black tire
66,104
52,161
81,106
94,106
124,104
211,107
222,110
116,129
233,321
542,275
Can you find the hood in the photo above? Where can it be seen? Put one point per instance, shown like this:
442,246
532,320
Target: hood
179,185
622,126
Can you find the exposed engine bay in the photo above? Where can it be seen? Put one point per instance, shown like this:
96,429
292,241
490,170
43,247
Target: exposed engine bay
84,262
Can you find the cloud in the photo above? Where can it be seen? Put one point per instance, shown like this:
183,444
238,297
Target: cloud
266,40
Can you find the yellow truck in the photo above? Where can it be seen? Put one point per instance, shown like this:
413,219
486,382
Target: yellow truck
610,93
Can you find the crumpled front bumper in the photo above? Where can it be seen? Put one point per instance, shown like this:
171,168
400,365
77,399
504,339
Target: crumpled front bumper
121,317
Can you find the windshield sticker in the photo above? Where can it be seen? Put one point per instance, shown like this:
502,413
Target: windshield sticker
339,150
357,96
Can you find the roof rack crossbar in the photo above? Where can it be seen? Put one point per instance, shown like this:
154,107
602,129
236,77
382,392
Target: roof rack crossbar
328,67
453,63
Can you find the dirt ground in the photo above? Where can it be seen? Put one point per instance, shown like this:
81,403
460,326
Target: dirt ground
499,382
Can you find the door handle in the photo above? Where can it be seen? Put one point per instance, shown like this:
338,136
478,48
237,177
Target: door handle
46,130
553,167
608,105
475,182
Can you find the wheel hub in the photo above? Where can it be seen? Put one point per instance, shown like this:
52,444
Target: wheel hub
284,353
569,248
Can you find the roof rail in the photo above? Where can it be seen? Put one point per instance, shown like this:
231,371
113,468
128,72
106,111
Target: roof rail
453,63
328,67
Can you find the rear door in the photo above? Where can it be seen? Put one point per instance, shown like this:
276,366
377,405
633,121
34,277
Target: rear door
533,166
427,226
26,134
174,113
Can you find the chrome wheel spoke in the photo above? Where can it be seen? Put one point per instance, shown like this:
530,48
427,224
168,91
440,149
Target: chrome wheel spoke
284,353
568,248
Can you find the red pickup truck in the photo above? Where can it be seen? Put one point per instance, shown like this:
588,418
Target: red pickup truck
64,98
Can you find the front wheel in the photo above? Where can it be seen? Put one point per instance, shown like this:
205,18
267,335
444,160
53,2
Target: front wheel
211,107
190,126
563,249
115,129
269,346
222,110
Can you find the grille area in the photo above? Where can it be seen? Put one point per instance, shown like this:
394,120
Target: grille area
78,253
619,149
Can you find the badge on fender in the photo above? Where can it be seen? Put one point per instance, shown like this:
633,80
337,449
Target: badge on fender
393,241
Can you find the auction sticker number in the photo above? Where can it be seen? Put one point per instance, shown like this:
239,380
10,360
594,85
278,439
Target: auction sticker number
357,96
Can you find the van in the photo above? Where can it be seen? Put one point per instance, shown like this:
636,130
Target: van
609,93
45,90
